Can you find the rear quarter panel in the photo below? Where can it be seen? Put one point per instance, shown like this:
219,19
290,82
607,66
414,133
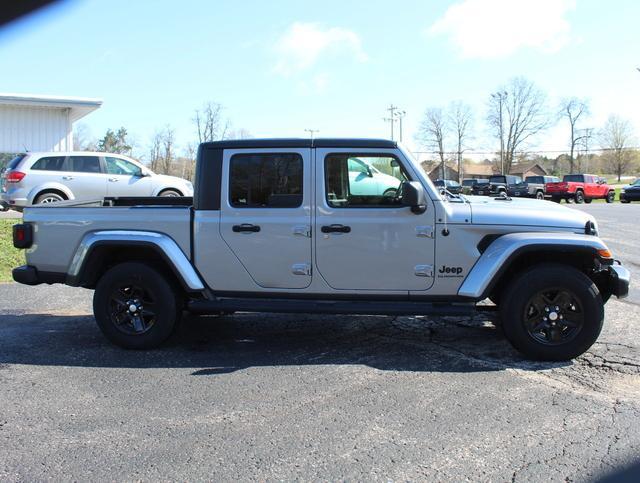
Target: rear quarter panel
57,231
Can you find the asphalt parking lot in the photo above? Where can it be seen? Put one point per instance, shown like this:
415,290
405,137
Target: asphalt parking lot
284,397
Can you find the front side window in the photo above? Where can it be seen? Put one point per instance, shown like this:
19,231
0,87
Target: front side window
50,163
266,180
84,164
353,181
121,166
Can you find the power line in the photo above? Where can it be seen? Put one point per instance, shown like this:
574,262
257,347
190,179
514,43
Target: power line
539,151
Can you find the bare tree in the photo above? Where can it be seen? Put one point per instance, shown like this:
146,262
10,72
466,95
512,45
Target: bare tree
573,109
432,133
210,124
516,113
82,140
155,151
241,133
460,118
616,138
167,157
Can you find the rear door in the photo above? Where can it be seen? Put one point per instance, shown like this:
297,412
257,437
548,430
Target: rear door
266,214
85,177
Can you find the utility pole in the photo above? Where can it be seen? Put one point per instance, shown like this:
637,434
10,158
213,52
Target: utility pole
588,132
400,115
312,132
501,97
392,117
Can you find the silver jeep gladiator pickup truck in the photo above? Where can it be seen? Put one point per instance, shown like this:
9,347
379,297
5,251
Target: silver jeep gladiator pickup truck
339,226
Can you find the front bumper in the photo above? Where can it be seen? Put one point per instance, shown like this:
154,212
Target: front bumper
619,280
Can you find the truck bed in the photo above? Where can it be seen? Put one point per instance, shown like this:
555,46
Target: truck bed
67,222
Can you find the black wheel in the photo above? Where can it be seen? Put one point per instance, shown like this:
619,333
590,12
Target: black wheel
390,193
588,200
579,197
135,306
625,201
539,195
170,193
552,312
45,198
611,196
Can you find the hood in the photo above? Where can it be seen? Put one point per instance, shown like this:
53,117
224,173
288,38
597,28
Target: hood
526,212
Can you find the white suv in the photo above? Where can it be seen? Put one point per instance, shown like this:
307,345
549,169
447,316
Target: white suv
35,178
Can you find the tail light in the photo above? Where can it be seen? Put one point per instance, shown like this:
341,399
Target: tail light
22,235
15,176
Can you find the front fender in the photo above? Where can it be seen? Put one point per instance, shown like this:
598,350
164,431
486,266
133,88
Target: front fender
49,186
497,257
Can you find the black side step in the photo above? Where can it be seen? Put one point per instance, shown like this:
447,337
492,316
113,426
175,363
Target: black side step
298,306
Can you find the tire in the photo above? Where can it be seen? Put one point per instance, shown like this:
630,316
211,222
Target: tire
390,193
579,197
577,324
158,306
611,197
556,199
588,200
49,197
625,201
539,195
170,193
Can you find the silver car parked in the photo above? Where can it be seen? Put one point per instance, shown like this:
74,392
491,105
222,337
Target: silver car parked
47,177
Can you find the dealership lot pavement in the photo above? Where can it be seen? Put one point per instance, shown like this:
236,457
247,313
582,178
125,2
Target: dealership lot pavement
255,396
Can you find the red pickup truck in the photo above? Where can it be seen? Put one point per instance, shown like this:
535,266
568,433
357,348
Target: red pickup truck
581,188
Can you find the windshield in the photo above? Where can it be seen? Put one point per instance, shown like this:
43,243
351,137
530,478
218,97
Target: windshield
636,182
534,179
497,179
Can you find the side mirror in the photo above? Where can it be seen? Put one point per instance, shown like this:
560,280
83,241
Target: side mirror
394,163
413,195
369,172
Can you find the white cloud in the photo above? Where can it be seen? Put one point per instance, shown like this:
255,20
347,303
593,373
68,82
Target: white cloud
498,28
300,47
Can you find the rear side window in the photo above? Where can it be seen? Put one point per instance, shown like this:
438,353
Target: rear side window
13,164
84,164
50,163
266,180
576,178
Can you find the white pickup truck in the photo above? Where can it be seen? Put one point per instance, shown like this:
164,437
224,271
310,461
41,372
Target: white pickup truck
291,225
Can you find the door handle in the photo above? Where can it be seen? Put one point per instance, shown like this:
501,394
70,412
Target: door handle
246,228
67,178
113,180
335,229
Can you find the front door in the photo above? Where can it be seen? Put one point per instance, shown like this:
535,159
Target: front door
266,215
125,178
365,238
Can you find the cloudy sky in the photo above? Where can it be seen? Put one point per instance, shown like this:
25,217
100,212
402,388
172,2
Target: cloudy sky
280,67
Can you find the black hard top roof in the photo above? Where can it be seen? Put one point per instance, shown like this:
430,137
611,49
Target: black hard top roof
301,143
